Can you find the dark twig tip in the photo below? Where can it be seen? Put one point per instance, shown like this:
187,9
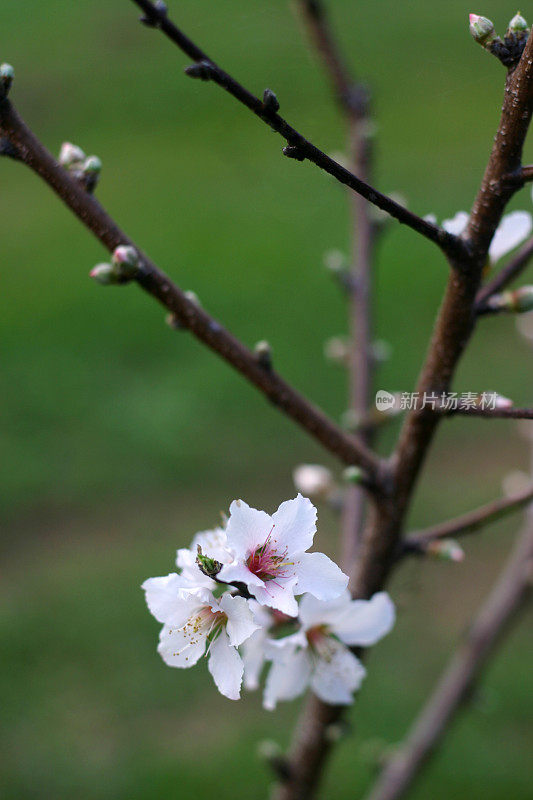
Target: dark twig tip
292,151
270,101
154,20
201,69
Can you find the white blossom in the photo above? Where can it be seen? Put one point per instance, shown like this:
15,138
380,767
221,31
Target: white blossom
511,231
318,653
214,545
313,480
196,621
270,558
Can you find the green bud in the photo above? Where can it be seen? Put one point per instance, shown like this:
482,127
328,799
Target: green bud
104,274
518,25
126,261
263,354
446,549
92,165
521,300
482,29
209,566
353,475
7,76
71,155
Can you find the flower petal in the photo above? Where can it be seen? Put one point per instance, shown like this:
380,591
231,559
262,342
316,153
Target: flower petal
239,572
295,525
226,667
457,224
162,596
322,612
278,593
334,681
253,656
287,678
320,576
365,622
511,231
241,623
247,529
176,649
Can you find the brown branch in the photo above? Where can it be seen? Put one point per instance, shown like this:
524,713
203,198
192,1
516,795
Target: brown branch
467,523
463,671
354,100
190,316
377,554
489,413
521,176
452,331
298,146
512,270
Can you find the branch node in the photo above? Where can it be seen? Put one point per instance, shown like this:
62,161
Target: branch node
7,76
293,151
270,101
153,20
203,70
263,354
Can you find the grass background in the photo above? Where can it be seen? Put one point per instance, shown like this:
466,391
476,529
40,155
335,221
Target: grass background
121,438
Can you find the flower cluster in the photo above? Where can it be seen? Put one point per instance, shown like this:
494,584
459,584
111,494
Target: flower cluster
251,593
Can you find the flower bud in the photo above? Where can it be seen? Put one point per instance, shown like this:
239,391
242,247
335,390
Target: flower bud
92,165
270,101
353,475
520,300
518,25
209,566
337,350
71,155
313,480
446,549
335,261
203,70
481,29
7,76
193,298
263,354
104,274
125,260
173,322
380,350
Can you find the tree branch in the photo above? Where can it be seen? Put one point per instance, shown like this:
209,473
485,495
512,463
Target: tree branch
511,271
500,609
489,413
467,523
298,146
190,316
377,553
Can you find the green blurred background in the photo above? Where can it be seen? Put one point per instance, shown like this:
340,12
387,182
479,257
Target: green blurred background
120,438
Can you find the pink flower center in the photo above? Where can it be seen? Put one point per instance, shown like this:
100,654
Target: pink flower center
321,642
267,563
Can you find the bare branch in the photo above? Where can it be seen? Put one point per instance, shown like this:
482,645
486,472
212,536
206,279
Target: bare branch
467,523
511,271
190,316
500,609
298,146
452,331
489,413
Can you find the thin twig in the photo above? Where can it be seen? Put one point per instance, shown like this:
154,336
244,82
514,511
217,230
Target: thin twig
298,146
488,413
189,314
500,609
512,270
467,523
